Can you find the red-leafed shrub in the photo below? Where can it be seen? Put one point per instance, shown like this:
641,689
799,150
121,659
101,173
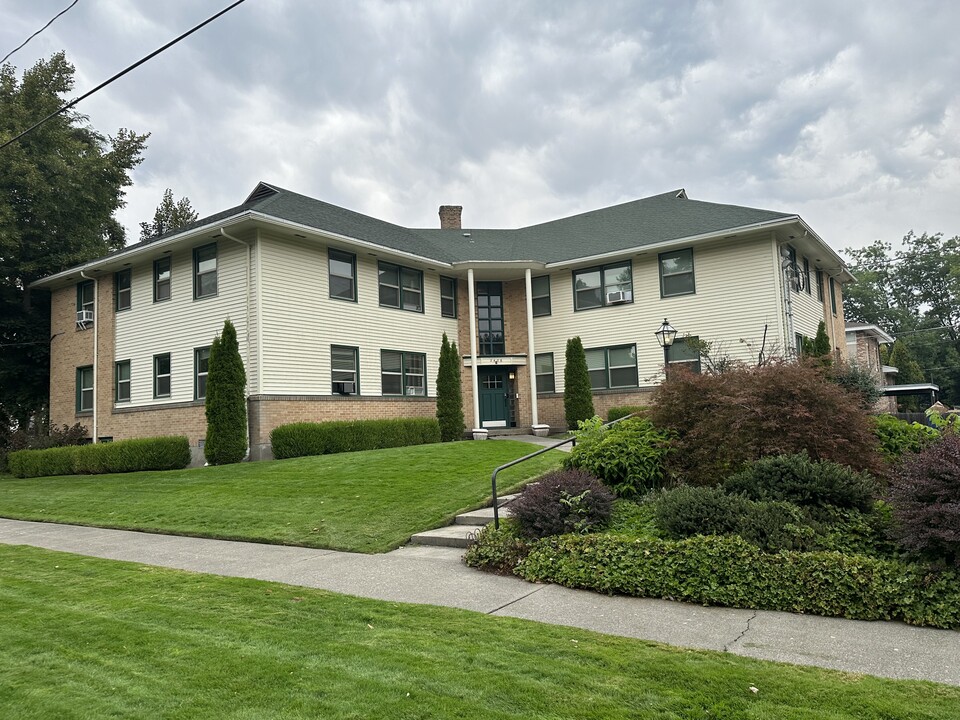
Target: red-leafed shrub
723,421
925,495
563,501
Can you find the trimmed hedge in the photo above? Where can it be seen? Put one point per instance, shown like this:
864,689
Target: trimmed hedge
162,453
615,413
730,571
301,439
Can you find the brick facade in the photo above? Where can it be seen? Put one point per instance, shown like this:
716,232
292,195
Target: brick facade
550,406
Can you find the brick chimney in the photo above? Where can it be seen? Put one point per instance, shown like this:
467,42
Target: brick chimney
450,217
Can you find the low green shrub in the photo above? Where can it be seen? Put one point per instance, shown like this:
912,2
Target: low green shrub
634,518
732,572
800,480
498,551
161,453
615,413
301,439
560,502
898,437
628,457
39,438
40,463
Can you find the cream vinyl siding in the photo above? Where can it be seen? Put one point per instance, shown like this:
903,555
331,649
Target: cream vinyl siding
807,310
180,324
301,320
736,295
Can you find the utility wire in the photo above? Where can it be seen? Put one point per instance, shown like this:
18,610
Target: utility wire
120,74
38,31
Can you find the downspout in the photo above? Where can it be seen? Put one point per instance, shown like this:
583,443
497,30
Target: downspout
531,351
249,247
96,347
471,295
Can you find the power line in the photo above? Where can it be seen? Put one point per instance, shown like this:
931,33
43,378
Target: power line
120,74
21,45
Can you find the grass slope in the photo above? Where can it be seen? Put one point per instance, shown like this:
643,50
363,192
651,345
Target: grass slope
366,501
91,638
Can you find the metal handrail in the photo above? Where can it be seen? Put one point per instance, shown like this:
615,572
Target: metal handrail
541,451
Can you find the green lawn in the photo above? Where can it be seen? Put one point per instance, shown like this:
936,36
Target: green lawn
90,638
366,501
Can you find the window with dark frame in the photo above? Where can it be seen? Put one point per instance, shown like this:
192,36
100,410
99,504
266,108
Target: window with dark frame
806,276
403,373
676,273
833,296
85,296
201,366
540,295
342,274
612,367
344,364
448,297
122,381
543,366
400,287
685,352
490,327
205,271
85,388
161,279
161,375
794,268
820,285
602,286
123,289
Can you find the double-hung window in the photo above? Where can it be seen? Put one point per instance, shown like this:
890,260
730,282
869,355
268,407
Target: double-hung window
161,279
685,352
612,367
121,381
806,276
833,296
205,271
85,300
540,295
161,375
403,373
122,289
676,273
820,285
344,362
400,287
201,366
601,286
343,274
543,366
794,268
448,297
85,388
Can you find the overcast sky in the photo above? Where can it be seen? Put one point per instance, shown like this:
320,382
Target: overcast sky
847,113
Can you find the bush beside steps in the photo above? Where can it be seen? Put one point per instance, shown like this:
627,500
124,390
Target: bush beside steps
161,453
302,439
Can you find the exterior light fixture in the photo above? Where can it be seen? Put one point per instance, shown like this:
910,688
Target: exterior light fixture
666,334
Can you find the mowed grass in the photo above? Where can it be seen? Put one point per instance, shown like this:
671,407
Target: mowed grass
90,638
365,501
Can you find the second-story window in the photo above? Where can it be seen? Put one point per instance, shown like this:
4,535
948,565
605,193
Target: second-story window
85,301
343,275
400,287
161,279
601,286
122,289
540,295
205,271
448,297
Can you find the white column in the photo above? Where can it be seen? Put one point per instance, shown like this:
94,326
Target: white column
471,294
531,351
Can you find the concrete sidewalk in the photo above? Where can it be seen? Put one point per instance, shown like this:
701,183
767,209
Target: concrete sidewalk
436,576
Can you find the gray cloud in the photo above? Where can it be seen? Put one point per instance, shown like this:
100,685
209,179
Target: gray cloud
844,112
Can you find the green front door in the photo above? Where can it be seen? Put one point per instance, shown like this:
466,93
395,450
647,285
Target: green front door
494,389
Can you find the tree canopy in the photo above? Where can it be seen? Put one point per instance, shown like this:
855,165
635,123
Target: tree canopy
59,189
913,293
169,216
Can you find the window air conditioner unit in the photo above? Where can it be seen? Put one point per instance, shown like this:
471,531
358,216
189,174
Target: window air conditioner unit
344,388
616,297
414,390
84,316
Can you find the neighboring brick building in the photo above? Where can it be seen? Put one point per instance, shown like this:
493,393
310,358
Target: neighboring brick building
340,315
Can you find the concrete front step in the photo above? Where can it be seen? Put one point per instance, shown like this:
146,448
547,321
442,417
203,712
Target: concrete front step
484,516
461,536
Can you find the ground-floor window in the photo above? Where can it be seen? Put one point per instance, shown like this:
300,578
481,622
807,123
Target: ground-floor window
403,373
343,370
85,388
612,367
543,363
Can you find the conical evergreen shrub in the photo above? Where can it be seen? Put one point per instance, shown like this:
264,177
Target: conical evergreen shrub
577,396
226,403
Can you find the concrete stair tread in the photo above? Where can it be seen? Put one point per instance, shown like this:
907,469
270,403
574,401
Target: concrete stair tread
449,536
484,516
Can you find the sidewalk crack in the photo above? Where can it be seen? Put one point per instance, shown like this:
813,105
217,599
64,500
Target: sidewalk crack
516,600
738,638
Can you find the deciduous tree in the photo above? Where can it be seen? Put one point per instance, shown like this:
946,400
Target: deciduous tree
169,216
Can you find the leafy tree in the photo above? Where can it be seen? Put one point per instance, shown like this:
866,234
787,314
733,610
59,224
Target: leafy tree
914,294
908,373
577,396
169,216
449,397
226,403
62,184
